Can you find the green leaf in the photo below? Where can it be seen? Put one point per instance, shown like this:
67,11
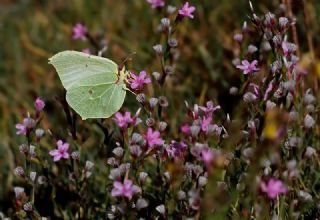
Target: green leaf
94,88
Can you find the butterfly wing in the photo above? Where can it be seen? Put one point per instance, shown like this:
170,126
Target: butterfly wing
93,90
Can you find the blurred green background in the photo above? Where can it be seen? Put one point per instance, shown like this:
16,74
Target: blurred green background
33,30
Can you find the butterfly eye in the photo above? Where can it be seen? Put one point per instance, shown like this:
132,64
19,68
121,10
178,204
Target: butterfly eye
90,91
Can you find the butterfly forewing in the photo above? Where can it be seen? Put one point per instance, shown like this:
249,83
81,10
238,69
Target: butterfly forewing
92,83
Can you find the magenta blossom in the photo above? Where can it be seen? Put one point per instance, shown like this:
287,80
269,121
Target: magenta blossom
27,124
248,67
61,152
187,10
156,3
153,138
207,156
209,108
126,189
176,150
79,32
87,51
39,104
185,129
137,82
273,188
124,120
205,122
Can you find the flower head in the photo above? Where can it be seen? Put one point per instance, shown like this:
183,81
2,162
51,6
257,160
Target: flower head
207,156
39,104
87,51
187,10
248,67
273,188
156,3
137,81
125,189
153,138
176,150
61,152
27,124
205,122
79,32
185,129
209,108
123,120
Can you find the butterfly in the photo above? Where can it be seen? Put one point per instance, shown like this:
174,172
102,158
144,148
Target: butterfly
96,86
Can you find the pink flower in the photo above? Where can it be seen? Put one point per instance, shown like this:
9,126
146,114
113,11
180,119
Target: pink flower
61,152
153,138
288,48
176,150
248,67
205,122
156,3
185,129
87,51
209,108
123,120
186,10
27,124
126,189
21,129
39,104
207,156
79,32
137,82
273,188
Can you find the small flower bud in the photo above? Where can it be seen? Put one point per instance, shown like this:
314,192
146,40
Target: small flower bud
276,66
112,161
172,42
158,49
135,151
150,122
270,20
238,38
75,155
181,195
310,108
24,149
33,176
194,130
39,133
309,99
162,125
19,171
171,9
277,40
168,70
141,98
153,102
39,104
283,23
89,165
42,180
304,196
266,46
118,152
161,209
268,35
165,24
32,151
167,176
163,101
141,204
293,116
309,152
252,49
202,181
142,177
249,97
156,75
19,192
115,174
233,90
27,207
309,121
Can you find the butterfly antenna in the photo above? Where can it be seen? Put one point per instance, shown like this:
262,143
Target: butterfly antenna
125,60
